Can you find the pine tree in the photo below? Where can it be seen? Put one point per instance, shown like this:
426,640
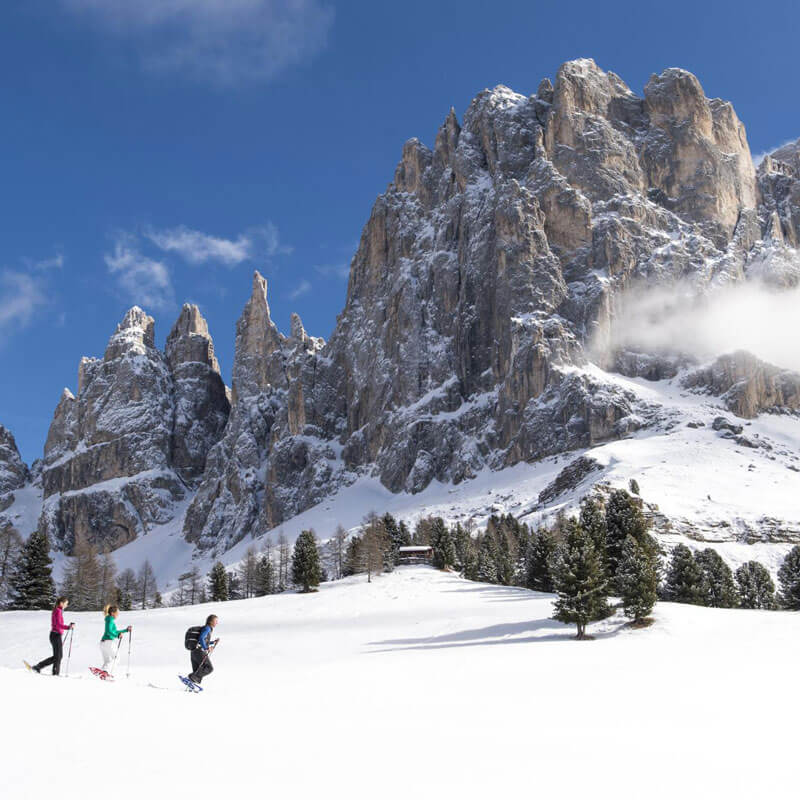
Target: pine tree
487,559
789,579
685,581
579,580
466,557
754,586
33,578
283,562
107,588
637,579
10,553
593,520
146,588
354,556
335,551
218,583
623,518
234,585
405,534
247,573
374,546
306,570
541,548
265,577
444,550
395,539
82,577
126,588
718,579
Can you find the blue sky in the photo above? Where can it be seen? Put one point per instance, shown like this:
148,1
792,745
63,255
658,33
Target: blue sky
157,152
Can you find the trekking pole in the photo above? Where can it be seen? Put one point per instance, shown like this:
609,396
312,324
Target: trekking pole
69,652
116,656
130,644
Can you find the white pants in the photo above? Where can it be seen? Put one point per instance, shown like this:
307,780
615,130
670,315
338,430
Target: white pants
109,649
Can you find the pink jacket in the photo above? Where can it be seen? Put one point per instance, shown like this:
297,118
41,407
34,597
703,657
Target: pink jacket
57,621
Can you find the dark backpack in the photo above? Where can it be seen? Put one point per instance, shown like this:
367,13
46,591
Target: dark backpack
192,637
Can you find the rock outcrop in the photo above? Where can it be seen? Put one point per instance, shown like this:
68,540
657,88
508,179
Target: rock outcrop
747,385
483,274
121,452
13,472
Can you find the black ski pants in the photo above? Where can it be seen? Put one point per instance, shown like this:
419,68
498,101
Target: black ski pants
201,665
58,654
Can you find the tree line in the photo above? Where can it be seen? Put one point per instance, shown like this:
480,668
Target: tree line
606,550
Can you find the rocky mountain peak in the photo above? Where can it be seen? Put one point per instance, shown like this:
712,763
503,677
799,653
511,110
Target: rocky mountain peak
190,341
13,472
135,335
257,363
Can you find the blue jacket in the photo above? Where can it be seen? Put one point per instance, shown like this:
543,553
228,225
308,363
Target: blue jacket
203,640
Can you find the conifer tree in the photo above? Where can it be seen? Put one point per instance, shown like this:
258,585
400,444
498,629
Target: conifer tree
82,577
306,570
540,553
623,518
718,579
354,556
395,539
579,580
637,579
685,580
593,520
444,550
487,559
754,586
789,579
126,588
373,546
33,578
247,573
147,594
335,553
108,576
265,577
405,534
464,547
218,583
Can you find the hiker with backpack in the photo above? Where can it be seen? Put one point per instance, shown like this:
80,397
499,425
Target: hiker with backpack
108,644
57,628
202,649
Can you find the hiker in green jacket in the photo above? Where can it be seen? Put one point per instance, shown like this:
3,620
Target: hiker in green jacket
108,644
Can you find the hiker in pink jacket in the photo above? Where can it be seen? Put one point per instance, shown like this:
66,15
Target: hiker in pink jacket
57,628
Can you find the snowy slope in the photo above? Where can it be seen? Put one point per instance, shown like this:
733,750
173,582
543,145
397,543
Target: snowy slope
417,683
710,490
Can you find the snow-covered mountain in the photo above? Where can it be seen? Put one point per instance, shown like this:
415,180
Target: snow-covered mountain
479,345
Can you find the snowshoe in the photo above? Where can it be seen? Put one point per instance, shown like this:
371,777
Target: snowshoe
101,673
29,667
190,685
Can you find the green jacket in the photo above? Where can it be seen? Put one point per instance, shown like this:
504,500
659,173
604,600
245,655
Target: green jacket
111,631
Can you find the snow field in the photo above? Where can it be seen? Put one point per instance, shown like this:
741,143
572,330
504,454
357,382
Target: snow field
418,684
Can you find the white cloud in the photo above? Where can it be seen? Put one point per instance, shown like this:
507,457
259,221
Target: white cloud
304,287
752,316
21,296
224,42
143,280
196,247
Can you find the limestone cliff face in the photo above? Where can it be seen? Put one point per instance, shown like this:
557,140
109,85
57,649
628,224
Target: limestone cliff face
13,472
747,385
482,275
121,452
